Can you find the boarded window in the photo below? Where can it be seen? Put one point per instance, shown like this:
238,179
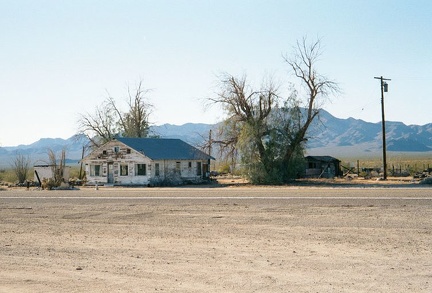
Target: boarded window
124,170
140,170
199,170
95,170
178,167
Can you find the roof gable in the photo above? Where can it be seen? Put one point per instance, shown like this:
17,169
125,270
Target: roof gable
164,148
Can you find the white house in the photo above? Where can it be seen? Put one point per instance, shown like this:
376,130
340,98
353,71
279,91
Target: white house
146,161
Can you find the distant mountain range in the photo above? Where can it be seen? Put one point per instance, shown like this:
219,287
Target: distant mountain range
354,137
193,133
328,135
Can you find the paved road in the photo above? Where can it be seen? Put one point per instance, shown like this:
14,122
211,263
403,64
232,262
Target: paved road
274,195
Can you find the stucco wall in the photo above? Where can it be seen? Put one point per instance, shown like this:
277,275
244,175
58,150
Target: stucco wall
45,172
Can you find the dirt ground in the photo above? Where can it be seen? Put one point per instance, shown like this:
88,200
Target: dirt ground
223,239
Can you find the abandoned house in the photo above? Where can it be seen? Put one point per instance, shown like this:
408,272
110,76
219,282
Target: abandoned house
322,167
146,161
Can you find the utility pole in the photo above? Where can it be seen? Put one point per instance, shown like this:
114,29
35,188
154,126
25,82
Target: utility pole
210,148
384,88
210,141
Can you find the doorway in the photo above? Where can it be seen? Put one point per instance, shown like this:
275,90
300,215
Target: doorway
110,173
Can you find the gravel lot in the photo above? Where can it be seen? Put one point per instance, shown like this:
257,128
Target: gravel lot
226,239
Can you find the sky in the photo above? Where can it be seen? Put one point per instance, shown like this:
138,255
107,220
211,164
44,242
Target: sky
60,59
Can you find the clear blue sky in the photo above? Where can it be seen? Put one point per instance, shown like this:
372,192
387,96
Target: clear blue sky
61,58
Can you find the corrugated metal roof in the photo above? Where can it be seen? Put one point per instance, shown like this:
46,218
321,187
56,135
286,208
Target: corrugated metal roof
322,158
164,148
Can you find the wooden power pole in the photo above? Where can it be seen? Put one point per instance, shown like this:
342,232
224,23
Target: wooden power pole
384,88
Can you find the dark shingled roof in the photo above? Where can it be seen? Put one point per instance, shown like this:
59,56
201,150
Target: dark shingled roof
164,148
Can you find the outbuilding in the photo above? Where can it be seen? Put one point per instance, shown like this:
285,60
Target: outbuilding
46,171
322,167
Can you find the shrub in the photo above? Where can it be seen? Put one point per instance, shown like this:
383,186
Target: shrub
427,180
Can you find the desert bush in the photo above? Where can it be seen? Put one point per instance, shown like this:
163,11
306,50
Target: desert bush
427,180
21,167
49,183
172,178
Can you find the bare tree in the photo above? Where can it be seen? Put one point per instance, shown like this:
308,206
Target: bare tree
21,167
109,120
57,166
134,122
99,127
318,88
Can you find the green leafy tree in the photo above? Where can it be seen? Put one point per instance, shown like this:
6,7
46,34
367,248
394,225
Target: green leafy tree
246,126
269,132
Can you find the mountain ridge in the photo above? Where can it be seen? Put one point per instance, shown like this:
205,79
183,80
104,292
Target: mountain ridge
327,135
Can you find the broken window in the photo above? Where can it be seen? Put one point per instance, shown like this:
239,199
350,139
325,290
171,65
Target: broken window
157,169
140,170
124,170
199,171
95,170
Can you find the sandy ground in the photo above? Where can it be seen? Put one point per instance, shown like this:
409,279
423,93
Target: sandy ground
232,239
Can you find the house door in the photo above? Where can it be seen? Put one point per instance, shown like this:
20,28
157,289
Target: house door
110,173
206,171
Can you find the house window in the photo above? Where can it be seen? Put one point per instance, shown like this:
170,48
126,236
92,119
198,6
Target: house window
140,170
95,170
199,170
190,165
128,151
116,149
177,168
124,170
157,172
104,152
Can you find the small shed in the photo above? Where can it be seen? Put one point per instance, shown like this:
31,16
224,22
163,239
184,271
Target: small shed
46,171
322,167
